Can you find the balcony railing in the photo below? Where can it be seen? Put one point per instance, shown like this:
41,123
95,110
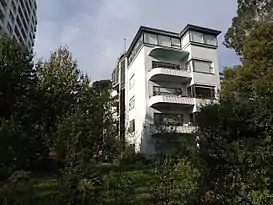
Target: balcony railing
161,70
181,129
176,94
157,64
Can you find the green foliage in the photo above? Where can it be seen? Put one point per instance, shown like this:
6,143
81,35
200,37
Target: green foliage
174,184
18,138
235,143
248,13
18,190
60,84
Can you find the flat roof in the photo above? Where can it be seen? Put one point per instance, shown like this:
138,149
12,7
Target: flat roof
170,33
200,29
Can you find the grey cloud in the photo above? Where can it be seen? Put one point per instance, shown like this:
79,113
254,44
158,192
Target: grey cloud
94,30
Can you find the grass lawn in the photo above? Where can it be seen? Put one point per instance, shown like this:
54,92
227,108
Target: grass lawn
45,190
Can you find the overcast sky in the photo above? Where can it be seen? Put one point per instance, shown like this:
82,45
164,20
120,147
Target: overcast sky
95,30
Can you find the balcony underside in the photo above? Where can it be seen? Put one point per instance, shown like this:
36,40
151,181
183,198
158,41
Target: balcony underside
168,53
164,74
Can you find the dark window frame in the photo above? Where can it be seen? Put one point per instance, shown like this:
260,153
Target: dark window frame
203,34
193,92
160,118
132,126
161,64
177,91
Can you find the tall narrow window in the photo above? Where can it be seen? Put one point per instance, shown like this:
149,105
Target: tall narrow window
132,103
131,126
132,82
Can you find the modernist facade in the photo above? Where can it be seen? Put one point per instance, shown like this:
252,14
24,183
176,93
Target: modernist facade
19,19
167,77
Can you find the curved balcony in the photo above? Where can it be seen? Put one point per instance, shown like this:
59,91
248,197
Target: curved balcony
183,129
162,73
168,53
162,99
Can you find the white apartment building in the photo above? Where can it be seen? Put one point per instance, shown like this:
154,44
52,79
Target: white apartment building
167,77
19,19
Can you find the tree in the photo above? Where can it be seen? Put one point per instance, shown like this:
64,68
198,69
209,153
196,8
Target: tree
248,13
254,77
60,83
17,128
236,135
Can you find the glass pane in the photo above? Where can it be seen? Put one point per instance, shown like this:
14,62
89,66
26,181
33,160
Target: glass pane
197,37
210,40
204,92
175,42
201,66
164,41
150,38
132,81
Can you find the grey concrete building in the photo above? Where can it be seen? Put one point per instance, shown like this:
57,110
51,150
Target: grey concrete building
19,19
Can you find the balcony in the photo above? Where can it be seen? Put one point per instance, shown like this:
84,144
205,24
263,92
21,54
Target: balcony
167,129
162,71
171,99
168,53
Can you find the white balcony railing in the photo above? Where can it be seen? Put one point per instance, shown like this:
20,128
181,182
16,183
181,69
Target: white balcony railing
182,129
157,72
171,99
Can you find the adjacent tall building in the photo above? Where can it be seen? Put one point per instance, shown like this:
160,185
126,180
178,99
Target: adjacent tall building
19,19
161,81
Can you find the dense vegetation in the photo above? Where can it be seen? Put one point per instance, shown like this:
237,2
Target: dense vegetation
52,106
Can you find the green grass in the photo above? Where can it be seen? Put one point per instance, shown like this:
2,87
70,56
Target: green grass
45,190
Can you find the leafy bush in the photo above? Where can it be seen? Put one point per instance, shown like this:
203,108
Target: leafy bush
19,189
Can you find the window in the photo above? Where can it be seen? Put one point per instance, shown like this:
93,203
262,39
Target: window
202,66
197,37
132,82
150,38
13,6
202,91
168,119
132,103
166,91
131,126
164,41
115,76
10,28
210,40
203,38
176,43
122,69
157,64
11,16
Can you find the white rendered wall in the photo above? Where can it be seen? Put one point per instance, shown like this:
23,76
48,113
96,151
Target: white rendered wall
137,68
